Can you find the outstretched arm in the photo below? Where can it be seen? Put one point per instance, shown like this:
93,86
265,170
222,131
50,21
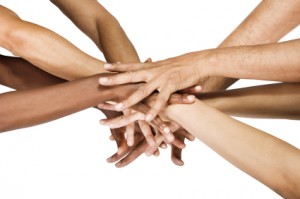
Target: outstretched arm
31,107
268,159
281,100
20,74
102,27
267,23
44,48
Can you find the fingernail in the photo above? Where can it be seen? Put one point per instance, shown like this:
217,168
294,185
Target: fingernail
167,130
152,143
100,105
108,159
148,118
102,121
191,98
119,107
103,80
119,151
118,164
170,138
198,88
107,66
148,153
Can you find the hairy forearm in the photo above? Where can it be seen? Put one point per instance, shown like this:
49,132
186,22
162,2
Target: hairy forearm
280,100
268,23
46,49
277,61
103,28
238,143
35,106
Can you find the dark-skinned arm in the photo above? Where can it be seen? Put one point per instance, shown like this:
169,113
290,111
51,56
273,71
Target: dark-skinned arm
31,107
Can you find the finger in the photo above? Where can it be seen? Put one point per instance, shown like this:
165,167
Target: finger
192,90
149,60
158,140
157,123
163,145
156,153
176,156
122,120
133,154
127,67
123,78
146,130
141,93
160,103
178,143
129,129
106,106
123,149
187,135
111,137
181,99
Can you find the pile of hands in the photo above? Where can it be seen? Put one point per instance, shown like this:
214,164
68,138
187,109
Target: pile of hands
140,126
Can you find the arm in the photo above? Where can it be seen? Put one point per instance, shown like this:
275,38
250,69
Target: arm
268,101
30,107
45,48
268,23
103,29
19,74
225,135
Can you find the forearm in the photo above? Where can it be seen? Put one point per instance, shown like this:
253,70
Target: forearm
46,49
19,74
268,101
35,106
103,29
268,23
277,61
238,143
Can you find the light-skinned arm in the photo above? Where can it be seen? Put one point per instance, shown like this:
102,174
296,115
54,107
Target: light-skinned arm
258,28
267,23
268,159
44,48
281,100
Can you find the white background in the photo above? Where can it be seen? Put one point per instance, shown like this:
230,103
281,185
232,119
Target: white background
67,158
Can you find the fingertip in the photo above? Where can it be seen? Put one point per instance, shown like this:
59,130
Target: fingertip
119,106
198,88
108,66
103,80
191,98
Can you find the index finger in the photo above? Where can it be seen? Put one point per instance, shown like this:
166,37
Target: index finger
118,67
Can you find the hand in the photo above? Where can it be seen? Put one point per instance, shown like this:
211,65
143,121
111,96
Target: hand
165,76
138,115
141,146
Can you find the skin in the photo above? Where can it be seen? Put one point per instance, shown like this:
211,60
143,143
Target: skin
279,101
259,161
24,39
269,60
262,26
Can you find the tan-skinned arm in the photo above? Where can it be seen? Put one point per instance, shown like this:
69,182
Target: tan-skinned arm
44,48
281,100
101,27
268,159
267,23
31,107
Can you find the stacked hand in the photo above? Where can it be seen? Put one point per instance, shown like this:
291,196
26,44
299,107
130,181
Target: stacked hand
140,142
